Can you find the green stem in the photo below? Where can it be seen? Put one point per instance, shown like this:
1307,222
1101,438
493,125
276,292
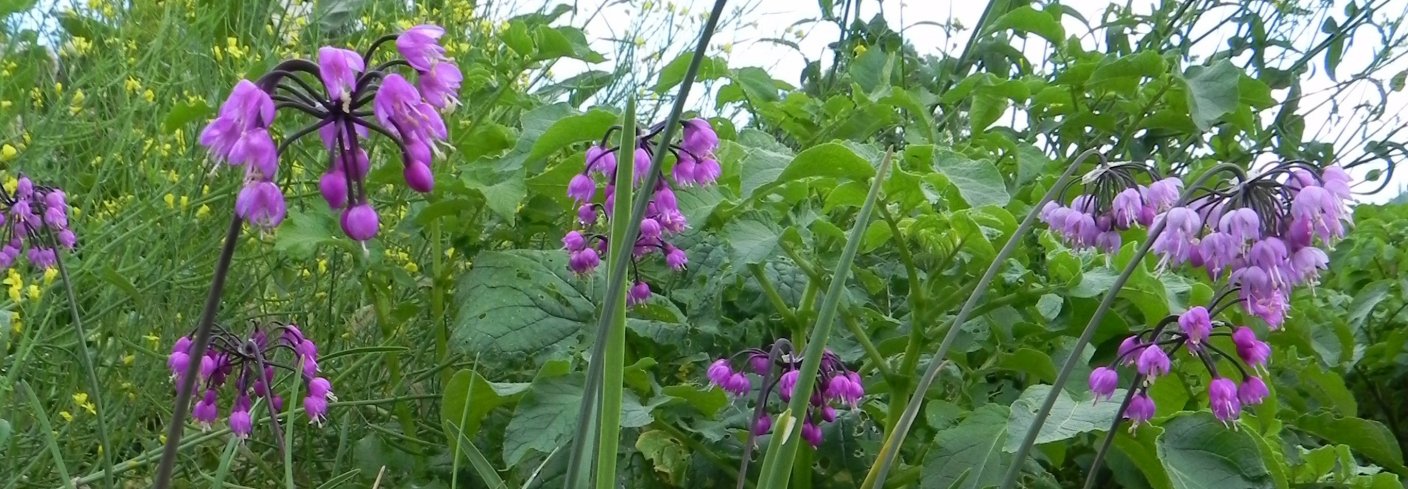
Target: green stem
889,451
48,431
614,358
105,445
393,359
581,443
1020,456
437,298
782,451
870,349
770,291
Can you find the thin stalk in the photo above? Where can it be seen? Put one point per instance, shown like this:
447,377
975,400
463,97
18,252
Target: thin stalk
48,431
287,443
782,451
614,358
1020,456
198,344
870,351
617,275
890,450
1094,471
105,445
437,298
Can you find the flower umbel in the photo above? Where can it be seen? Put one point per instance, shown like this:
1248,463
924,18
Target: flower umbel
336,91
35,224
835,385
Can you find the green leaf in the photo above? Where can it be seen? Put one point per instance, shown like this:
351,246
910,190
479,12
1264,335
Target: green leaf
1069,417
520,301
8,7
1029,20
1335,52
1199,452
572,129
970,452
1032,362
705,399
1144,64
185,113
503,191
756,84
871,70
1370,438
752,239
1212,92
563,42
333,15
1396,83
986,108
977,181
832,160
1140,450
710,68
757,167
1365,301
544,418
667,455
304,232
471,395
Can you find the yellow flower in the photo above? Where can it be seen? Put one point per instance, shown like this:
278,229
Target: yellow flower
58,88
81,399
153,339
860,49
16,283
185,202
67,416
149,95
15,324
203,212
5,104
129,359
33,291
132,85
8,152
50,274
170,201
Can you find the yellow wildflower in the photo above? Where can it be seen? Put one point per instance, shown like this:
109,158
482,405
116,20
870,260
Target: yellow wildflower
50,274
203,212
149,95
33,291
67,416
8,152
81,399
132,85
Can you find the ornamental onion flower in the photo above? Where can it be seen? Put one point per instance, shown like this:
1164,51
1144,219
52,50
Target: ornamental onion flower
834,385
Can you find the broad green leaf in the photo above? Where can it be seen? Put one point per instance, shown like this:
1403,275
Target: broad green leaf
752,239
1029,20
1139,448
1365,300
667,455
8,7
1029,361
1212,92
756,84
757,167
590,126
1335,52
1199,452
1049,306
871,70
977,181
1368,437
970,452
1398,81
1143,64
705,399
985,109
470,394
1069,417
563,42
333,15
503,191
520,301
544,418
305,232
710,68
185,113
832,160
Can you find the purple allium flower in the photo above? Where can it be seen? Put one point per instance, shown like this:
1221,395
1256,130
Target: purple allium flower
1103,381
315,404
400,108
360,222
1252,351
1140,411
240,423
441,85
675,258
639,293
180,357
1219,251
261,203
762,425
1152,362
1252,391
1321,210
581,188
719,372
418,177
587,215
1222,397
420,45
583,261
1306,264
205,411
600,160
333,186
811,433
1130,349
573,241
1127,206
699,137
1197,324
786,384
339,69
1241,224
1164,193
841,387
1179,238
248,109
1108,241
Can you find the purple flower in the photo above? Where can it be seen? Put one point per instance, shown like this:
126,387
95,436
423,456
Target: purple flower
441,85
1241,224
719,372
675,258
573,241
581,188
1197,324
699,137
760,363
1270,254
763,425
261,203
583,261
684,171
420,45
240,423
1152,362
399,107
205,412
1126,207
811,433
599,160
418,177
841,388
1252,391
1130,349
1252,351
1179,237
1103,381
1306,264
1140,411
1222,397
1108,241
360,222
315,404
1219,251
333,187
639,293
1321,210
339,69
587,215
786,384
1164,193
248,108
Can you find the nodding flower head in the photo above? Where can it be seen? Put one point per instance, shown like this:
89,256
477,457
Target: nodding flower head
833,387
1250,350
35,223
1196,324
1113,203
595,198
240,134
1152,362
246,364
1103,381
1222,397
1140,411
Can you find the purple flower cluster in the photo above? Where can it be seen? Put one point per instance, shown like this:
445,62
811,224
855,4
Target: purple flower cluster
248,360
405,113
1114,203
694,165
1149,354
835,385
1265,235
30,214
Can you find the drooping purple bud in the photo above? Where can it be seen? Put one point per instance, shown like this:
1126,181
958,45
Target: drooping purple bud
333,186
1222,397
360,222
1141,409
581,188
1196,324
1152,362
1103,381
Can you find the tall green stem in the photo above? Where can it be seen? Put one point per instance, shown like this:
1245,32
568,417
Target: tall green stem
437,298
890,450
614,358
582,443
782,451
198,344
105,445
1135,262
